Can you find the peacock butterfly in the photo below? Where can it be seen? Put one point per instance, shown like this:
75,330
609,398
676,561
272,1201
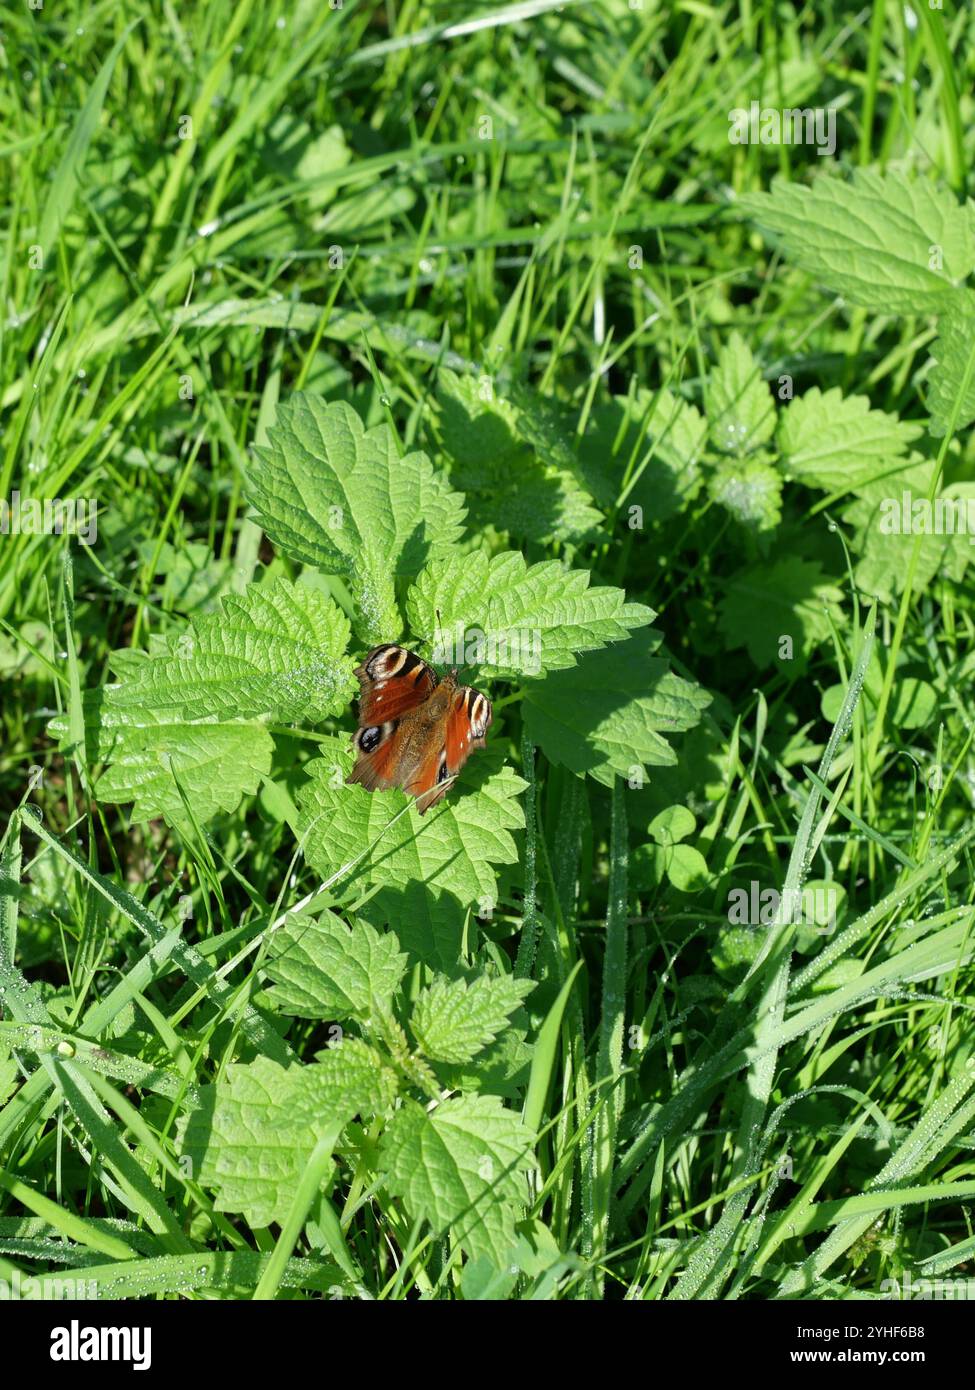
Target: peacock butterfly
415,731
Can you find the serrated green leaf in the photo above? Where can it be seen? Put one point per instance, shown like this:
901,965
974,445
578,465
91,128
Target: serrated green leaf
779,608
500,1069
214,764
509,618
349,1077
256,1129
332,494
751,490
741,416
882,515
951,351
516,461
428,922
462,1167
276,649
478,427
452,847
891,515
607,715
887,242
838,442
174,723
543,505
647,447
544,425
453,1020
324,969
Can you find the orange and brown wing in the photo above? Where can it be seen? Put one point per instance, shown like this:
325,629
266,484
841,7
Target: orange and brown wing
468,720
392,682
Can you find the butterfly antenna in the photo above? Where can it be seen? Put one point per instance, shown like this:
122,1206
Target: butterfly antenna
440,646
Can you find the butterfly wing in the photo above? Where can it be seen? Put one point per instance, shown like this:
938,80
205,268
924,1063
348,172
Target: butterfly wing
468,720
392,682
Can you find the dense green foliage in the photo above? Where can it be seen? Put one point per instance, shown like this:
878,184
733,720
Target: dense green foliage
330,327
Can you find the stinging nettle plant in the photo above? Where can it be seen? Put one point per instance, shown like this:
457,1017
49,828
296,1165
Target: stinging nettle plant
427,1034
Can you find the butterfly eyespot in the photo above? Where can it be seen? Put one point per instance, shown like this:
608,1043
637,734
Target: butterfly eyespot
479,712
390,661
370,738
408,736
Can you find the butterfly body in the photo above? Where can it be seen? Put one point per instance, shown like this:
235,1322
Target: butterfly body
415,731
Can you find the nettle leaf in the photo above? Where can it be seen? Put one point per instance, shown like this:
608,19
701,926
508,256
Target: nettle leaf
500,1069
450,848
952,349
544,425
276,649
332,494
461,1166
509,618
751,490
428,922
741,416
256,1129
607,715
644,451
836,442
883,241
173,725
959,525
769,605
478,427
349,1076
544,506
453,1020
320,457
324,969
883,515
884,559
519,455
214,764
